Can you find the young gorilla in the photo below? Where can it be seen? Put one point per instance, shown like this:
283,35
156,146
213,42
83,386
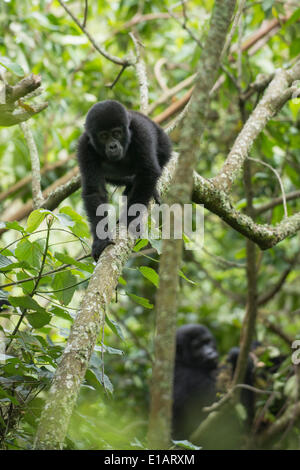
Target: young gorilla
195,386
124,148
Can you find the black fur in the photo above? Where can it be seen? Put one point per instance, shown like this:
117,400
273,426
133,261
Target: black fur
195,386
196,364
124,148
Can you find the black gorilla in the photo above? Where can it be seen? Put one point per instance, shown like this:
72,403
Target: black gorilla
195,385
124,148
196,365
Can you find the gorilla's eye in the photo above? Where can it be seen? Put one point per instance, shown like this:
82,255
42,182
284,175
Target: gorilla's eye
103,136
196,343
117,133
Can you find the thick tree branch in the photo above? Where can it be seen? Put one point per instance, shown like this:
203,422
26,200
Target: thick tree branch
216,201
71,370
24,87
180,192
141,73
14,111
204,192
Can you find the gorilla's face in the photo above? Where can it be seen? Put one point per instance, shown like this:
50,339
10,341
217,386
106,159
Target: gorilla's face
196,347
112,142
107,125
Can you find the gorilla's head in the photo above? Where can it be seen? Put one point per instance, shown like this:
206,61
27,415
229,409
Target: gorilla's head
195,346
107,125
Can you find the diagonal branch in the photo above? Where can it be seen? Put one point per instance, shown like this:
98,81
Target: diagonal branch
218,202
75,358
159,431
276,202
12,110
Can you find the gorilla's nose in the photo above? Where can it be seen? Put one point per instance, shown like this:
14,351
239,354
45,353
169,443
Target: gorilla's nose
113,146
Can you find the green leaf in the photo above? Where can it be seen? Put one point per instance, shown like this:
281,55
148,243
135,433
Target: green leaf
181,274
13,266
295,16
240,254
65,220
4,261
80,227
66,259
12,226
29,252
290,388
140,300
156,244
267,4
122,281
64,284
35,219
102,379
109,350
5,396
241,411
294,48
140,244
12,66
38,320
61,313
186,445
5,357
277,214
25,302
115,327
150,274
294,105
28,286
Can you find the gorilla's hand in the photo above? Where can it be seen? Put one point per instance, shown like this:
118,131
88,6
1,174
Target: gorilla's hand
100,245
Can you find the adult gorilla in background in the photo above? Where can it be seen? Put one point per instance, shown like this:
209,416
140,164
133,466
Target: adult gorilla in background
195,386
196,365
124,148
